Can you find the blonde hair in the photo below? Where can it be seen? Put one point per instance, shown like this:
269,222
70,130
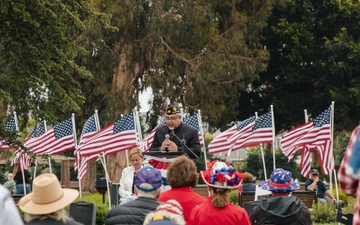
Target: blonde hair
220,197
136,151
57,215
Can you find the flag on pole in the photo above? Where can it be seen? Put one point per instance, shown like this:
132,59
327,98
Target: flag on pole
54,141
10,126
315,134
255,133
89,130
146,142
220,143
115,137
193,121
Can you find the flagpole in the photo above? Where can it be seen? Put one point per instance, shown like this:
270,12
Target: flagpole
332,149
103,162
202,136
76,145
23,175
273,131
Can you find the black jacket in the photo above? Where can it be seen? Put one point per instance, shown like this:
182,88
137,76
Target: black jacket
133,212
286,210
183,132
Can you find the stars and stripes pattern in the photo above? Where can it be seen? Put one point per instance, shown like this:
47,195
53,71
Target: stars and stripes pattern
146,142
315,134
9,126
89,130
220,143
193,121
116,137
54,141
255,133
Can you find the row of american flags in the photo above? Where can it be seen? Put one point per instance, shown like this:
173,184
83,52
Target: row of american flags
125,133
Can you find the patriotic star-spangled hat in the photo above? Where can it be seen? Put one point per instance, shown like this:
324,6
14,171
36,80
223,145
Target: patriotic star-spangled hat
280,181
221,175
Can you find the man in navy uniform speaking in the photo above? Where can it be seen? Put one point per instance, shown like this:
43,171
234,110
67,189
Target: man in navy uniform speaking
176,136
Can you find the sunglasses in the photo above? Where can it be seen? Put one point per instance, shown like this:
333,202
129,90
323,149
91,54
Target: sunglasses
315,174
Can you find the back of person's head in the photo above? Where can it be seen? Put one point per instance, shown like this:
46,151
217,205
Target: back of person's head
148,181
221,178
47,199
170,210
182,173
248,177
280,181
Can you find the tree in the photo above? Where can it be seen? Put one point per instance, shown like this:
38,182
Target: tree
314,60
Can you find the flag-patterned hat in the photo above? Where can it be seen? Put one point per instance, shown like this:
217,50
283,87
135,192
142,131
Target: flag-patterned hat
173,109
280,181
221,175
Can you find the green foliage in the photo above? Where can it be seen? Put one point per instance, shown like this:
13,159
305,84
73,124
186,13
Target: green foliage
323,213
254,163
101,208
233,199
349,205
340,145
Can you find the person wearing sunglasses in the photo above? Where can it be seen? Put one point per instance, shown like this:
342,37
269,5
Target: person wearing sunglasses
176,136
316,184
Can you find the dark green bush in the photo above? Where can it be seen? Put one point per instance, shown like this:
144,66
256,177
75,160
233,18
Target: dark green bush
323,213
233,198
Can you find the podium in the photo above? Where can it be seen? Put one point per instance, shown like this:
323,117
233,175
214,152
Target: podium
161,160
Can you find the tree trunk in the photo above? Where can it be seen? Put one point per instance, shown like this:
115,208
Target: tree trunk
88,183
124,81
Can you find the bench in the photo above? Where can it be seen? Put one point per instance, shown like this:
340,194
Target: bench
201,189
17,197
307,197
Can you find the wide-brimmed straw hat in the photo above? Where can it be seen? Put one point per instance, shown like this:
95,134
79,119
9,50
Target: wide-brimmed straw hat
221,175
280,181
47,196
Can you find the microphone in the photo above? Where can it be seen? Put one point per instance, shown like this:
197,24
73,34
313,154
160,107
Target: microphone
167,136
183,143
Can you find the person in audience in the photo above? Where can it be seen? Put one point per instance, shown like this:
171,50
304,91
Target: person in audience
348,175
281,208
247,183
170,210
181,176
10,183
315,184
9,214
126,188
220,178
19,180
176,136
46,203
148,182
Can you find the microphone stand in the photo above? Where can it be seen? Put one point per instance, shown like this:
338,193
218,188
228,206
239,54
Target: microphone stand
183,143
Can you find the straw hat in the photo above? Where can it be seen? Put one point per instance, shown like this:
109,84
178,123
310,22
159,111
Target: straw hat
47,196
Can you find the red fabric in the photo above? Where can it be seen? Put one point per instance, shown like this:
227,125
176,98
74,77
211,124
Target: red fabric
187,198
348,184
208,214
159,164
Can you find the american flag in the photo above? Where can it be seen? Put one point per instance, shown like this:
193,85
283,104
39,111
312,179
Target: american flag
220,143
253,134
89,130
54,141
116,137
20,154
10,126
193,121
315,134
146,142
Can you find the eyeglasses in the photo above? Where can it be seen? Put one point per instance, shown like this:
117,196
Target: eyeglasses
171,118
315,174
